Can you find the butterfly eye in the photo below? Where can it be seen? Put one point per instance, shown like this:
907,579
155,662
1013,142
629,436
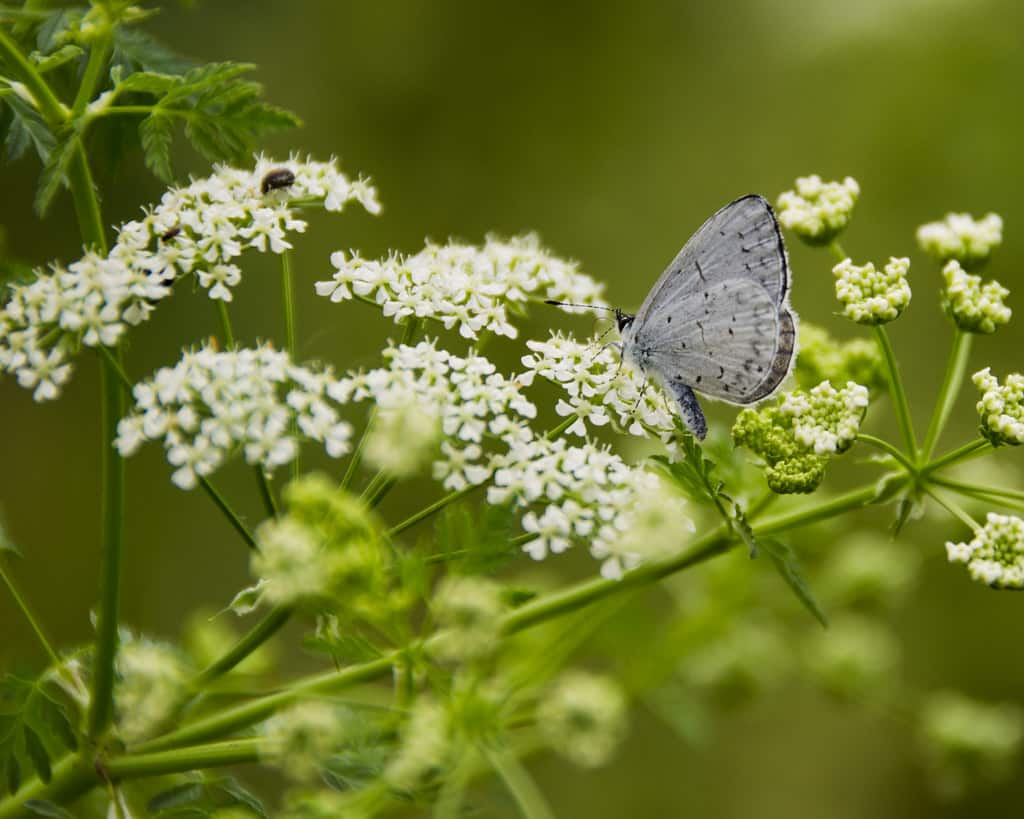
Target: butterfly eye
277,179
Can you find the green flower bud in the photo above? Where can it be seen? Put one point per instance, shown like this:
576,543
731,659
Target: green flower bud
975,307
822,358
959,237
873,296
1001,407
818,211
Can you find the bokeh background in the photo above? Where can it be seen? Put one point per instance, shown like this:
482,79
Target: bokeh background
613,130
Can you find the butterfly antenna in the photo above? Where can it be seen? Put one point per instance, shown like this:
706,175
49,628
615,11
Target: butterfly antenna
584,306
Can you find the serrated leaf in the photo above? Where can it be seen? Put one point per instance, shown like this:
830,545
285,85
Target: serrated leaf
134,50
41,807
37,753
694,473
156,132
54,172
60,25
241,796
147,82
785,562
27,128
176,797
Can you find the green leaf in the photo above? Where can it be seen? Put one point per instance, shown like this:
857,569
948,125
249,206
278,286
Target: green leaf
785,562
55,171
62,55
694,473
27,128
147,82
156,132
204,797
475,543
41,807
240,796
37,753
34,727
175,797
135,51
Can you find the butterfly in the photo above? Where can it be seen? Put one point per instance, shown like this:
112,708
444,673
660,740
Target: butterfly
718,320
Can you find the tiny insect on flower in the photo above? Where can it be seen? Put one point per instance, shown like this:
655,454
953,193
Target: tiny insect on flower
277,179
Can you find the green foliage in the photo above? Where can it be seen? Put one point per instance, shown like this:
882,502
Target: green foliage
204,797
34,726
474,541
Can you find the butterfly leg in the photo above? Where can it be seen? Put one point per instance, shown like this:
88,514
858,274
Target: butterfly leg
689,409
643,392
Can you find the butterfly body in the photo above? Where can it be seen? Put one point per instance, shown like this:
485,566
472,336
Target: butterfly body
718,320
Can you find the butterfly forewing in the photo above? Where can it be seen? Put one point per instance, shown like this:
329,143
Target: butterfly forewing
742,240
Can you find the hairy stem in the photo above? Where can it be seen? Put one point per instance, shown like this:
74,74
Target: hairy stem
899,396
956,368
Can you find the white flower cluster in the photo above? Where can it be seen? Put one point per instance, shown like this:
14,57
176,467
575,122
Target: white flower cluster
211,403
826,419
975,307
302,737
818,211
473,288
425,744
201,229
589,494
962,238
600,388
1001,407
468,609
153,679
584,717
996,554
473,401
872,296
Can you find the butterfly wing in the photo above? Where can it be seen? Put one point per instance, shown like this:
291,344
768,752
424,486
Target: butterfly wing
717,319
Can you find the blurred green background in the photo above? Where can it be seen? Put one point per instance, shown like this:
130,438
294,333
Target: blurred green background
613,130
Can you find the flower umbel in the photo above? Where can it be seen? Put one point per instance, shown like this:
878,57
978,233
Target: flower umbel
871,296
995,556
962,238
583,717
822,357
200,229
1001,407
212,403
975,307
470,287
818,211
796,435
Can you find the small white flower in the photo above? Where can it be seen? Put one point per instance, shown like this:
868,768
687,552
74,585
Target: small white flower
826,419
302,737
211,404
975,307
872,296
153,679
960,237
1001,407
471,288
995,556
818,211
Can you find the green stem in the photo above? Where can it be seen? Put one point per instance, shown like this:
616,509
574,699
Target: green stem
837,251
135,766
969,450
953,508
225,324
266,492
52,109
951,382
70,778
889,449
899,397
562,427
22,604
112,505
384,486
112,361
99,51
357,455
240,716
520,784
970,488
435,507
257,636
229,513
288,303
